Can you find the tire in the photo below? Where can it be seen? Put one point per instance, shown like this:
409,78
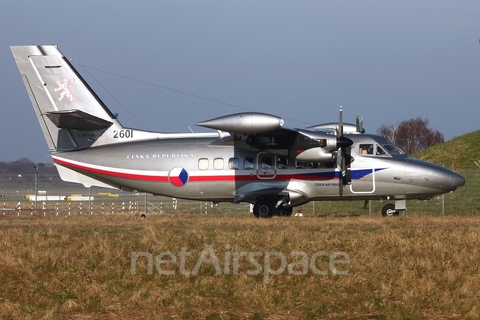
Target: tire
287,212
388,210
284,212
263,209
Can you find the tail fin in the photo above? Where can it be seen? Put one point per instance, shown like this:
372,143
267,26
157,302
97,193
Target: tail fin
71,115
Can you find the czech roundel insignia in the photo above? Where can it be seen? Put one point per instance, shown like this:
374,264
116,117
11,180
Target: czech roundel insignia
178,176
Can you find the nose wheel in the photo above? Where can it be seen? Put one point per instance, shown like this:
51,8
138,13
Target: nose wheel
388,210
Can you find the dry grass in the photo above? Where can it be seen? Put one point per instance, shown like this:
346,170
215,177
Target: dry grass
79,267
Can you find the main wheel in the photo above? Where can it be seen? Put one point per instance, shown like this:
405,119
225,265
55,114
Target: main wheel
388,210
288,212
263,209
284,212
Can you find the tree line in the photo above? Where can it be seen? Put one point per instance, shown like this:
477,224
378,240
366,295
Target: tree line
412,135
26,166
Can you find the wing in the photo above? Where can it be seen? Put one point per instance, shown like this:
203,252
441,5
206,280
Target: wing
266,133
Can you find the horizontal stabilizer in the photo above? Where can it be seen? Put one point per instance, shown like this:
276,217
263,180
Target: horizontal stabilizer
70,175
76,119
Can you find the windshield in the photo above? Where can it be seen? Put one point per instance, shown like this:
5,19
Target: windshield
375,149
392,149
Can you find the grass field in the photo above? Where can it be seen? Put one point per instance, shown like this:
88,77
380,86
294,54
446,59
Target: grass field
97,266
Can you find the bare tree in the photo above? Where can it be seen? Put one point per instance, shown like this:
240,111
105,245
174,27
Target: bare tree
411,135
389,132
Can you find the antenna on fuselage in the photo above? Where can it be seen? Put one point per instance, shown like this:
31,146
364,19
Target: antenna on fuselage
359,125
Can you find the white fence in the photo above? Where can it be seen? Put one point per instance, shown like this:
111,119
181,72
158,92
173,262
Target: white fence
58,197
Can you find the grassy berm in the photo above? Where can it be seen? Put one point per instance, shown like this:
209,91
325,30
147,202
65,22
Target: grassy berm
80,267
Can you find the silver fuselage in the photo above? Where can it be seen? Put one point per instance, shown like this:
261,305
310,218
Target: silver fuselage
217,169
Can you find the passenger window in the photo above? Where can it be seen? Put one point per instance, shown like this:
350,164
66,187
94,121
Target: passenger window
282,163
233,163
203,164
299,165
248,163
316,165
218,164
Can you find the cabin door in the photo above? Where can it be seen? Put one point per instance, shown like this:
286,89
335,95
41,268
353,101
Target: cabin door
363,176
266,166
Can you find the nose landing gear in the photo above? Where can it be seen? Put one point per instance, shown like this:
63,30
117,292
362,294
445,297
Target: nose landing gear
388,210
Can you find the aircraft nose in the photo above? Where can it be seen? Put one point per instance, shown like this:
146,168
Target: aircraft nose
434,178
450,180
457,180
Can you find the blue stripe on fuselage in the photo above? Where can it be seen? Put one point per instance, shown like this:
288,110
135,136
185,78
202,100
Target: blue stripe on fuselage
331,175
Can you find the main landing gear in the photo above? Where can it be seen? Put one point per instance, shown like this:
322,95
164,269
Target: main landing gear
268,208
263,209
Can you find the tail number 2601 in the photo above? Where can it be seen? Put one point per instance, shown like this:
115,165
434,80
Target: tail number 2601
120,134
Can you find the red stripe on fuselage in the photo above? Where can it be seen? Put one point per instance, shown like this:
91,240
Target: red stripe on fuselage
112,173
205,178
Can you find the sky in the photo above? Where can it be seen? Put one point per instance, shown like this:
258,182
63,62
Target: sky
166,65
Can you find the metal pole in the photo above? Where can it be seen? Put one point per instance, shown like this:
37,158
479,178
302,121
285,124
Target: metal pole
36,186
90,199
443,200
443,203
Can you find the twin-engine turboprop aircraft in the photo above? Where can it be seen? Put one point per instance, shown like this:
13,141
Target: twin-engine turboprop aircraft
250,158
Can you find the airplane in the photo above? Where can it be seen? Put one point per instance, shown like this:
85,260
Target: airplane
251,157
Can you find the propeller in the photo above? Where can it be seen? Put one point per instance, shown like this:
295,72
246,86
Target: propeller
342,144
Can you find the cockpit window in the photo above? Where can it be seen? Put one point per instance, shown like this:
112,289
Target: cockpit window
381,151
366,148
392,149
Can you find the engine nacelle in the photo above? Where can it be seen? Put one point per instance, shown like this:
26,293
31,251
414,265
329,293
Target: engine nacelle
248,122
312,139
315,155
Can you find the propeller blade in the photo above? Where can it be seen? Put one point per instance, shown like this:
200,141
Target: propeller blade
343,143
340,123
341,150
341,165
